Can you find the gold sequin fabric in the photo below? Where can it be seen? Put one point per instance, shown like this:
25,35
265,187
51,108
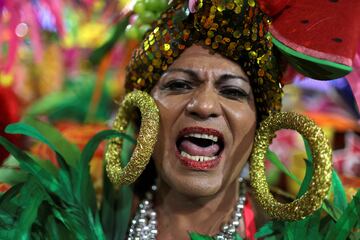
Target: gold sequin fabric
237,29
320,181
145,142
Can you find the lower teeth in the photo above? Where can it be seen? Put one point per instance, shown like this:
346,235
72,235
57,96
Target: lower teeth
197,158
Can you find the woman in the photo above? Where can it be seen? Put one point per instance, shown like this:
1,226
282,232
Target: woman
214,77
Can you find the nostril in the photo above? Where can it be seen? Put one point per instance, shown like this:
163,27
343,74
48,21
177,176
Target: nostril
202,115
203,106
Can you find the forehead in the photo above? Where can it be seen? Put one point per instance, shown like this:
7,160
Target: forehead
201,59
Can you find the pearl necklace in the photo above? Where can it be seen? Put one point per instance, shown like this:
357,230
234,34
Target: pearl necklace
144,224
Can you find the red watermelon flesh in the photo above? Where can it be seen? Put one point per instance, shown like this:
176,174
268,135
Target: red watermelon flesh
326,30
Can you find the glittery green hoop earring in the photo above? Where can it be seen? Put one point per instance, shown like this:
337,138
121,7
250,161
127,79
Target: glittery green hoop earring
319,186
145,142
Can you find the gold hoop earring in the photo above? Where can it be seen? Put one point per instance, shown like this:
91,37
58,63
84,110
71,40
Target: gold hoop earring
320,181
145,142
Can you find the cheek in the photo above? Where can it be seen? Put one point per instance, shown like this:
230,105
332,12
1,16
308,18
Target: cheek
170,110
241,120
243,143
163,136
242,124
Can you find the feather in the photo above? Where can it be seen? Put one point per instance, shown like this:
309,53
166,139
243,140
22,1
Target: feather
29,165
48,135
309,170
350,217
12,176
340,197
272,157
84,180
116,206
30,211
56,200
196,236
115,210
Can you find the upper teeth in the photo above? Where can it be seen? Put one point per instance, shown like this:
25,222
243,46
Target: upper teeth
203,136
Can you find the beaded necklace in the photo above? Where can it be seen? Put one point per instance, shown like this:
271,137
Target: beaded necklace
144,224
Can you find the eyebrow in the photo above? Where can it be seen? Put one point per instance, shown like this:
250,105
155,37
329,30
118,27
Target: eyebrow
226,77
189,72
194,76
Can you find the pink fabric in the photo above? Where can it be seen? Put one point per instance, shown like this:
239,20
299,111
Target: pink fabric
56,9
249,218
35,31
14,40
192,5
89,2
25,11
354,77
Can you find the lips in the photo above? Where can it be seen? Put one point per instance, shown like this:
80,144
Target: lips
199,148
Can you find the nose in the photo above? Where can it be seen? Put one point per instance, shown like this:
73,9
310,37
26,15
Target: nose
204,104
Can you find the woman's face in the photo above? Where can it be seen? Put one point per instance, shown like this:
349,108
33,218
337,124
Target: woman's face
207,123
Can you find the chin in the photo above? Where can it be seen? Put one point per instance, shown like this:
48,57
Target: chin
194,188
192,184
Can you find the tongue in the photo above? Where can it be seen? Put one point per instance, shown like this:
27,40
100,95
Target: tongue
195,150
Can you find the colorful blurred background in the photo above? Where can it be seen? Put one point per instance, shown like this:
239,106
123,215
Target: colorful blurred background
64,61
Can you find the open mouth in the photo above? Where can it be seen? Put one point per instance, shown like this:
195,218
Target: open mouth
199,148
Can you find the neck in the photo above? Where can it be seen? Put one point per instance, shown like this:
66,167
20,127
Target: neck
179,214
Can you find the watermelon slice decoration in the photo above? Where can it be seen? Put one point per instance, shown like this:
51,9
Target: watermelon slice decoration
318,38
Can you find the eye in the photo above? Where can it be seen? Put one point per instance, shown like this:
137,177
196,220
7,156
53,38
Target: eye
177,85
234,93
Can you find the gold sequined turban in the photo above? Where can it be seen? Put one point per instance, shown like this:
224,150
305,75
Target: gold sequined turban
237,29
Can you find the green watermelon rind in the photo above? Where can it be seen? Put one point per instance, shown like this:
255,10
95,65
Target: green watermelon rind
310,66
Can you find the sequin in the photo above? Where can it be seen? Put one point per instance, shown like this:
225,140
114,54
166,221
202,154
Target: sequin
181,46
261,73
221,7
215,45
218,38
146,47
252,54
208,41
254,37
251,3
232,46
229,30
246,32
166,47
210,34
226,40
156,30
236,34
238,10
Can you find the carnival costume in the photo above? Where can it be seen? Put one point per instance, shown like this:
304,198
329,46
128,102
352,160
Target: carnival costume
238,30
